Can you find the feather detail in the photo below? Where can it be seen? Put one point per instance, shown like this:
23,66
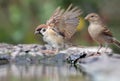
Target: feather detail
65,21
107,32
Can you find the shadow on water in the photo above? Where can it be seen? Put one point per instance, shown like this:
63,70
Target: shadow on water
39,72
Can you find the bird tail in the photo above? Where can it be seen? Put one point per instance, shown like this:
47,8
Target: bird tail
116,42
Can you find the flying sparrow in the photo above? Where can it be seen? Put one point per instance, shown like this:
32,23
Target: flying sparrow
60,27
99,31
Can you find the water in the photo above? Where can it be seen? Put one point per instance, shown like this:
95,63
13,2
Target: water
39,72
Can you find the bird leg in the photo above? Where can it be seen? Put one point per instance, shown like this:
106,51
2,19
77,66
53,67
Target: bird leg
97,53
106,47
100,46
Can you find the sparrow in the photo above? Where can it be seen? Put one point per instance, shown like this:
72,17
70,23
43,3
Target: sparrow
99,31
60,27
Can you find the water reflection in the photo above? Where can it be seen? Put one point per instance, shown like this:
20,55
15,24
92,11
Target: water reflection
14,72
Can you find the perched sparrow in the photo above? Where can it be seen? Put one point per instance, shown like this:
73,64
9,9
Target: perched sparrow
99,31
60,27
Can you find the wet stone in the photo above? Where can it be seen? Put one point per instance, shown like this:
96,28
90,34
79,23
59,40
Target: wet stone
32,53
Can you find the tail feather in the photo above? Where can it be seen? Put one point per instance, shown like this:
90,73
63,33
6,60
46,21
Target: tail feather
116,42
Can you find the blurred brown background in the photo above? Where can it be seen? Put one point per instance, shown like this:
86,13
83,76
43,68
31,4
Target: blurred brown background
19,18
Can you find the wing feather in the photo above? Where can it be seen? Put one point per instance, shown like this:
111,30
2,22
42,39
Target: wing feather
65,21
107,32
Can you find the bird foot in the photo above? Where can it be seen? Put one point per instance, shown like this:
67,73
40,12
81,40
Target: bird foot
96,54
48,51
52,52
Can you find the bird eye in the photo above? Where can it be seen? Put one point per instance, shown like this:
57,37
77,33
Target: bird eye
43,29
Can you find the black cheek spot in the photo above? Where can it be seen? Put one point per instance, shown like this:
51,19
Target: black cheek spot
44,30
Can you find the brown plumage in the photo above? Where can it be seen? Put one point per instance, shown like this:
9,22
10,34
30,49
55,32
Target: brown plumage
60,27
99,32
65,21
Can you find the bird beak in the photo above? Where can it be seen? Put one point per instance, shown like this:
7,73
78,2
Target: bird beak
36,32
86,18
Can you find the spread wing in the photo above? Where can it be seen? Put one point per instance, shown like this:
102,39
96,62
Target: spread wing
65,21
107,32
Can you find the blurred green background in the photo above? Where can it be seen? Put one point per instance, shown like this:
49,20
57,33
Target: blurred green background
19,18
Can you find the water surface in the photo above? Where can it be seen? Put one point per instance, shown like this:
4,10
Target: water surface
41,72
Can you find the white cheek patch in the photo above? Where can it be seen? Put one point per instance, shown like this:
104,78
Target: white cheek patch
43,31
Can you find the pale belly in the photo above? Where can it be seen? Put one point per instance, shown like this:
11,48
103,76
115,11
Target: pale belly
95,33
56,42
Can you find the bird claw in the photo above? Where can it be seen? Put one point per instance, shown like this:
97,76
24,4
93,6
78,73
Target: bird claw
96,54
52,52
48,51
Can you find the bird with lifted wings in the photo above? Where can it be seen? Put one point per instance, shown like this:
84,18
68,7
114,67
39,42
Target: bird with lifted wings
60,27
